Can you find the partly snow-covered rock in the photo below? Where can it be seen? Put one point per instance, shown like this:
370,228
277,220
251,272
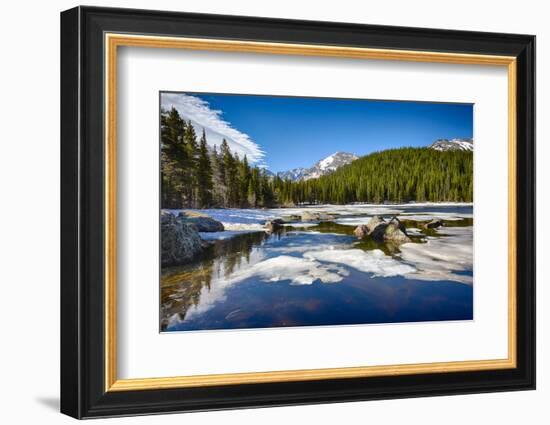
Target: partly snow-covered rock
453,145
201,221
180,242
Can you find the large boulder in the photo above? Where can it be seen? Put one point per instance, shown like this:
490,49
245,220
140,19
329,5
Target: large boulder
374,222
202,222
396,232
381,230
180,242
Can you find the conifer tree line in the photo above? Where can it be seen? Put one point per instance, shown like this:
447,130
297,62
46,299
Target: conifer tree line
194,175
394,175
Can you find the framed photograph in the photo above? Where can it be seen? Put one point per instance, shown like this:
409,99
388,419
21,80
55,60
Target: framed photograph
261,212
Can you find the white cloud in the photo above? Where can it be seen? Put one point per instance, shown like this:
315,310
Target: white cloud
201,115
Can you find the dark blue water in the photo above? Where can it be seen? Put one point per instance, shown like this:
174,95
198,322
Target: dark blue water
254,304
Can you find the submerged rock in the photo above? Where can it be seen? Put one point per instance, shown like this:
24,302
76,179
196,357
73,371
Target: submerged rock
180,242
434,224
202,222
381,230
274,225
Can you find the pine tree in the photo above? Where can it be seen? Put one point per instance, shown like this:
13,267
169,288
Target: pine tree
173,157
204,174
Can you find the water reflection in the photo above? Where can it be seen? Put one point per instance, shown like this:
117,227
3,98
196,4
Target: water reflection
291,278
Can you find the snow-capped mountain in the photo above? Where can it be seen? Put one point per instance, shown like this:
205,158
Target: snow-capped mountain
453,145
294,174
321,168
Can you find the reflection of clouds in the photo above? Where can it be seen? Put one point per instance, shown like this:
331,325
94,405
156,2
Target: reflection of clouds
375,261
297,270
440,258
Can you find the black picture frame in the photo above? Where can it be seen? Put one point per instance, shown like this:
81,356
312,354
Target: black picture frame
83,392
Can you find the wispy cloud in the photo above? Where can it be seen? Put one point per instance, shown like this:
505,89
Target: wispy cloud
201,115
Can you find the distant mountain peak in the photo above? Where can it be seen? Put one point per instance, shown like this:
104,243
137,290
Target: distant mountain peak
453,145
320,168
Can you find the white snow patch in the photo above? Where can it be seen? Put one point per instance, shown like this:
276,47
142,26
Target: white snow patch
250,227
440,258
325,163
374,261
427,216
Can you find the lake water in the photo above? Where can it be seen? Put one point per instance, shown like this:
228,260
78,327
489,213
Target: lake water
318,273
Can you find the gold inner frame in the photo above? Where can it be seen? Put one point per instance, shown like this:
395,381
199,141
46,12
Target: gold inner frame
113,41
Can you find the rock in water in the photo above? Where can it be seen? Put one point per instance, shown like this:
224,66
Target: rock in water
361,231
396,232
202,222
180,242
434,224
374,222
380,230
310,216
274,225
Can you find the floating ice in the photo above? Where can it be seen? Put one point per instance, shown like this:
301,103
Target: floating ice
250,227
440,258
374,261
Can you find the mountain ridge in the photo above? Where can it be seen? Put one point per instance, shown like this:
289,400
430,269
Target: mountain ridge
456,144
321,168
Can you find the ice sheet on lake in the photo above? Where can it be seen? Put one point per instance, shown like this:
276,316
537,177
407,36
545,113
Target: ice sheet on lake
300,224
441,258
250,227
427,216
375,261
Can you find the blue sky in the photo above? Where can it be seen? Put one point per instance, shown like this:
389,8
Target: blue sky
290,132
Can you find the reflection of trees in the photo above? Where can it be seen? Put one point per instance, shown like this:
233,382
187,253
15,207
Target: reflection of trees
181,287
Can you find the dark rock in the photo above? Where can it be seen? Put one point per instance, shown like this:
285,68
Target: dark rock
166,216
202,222
180,242
274,225
434,224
